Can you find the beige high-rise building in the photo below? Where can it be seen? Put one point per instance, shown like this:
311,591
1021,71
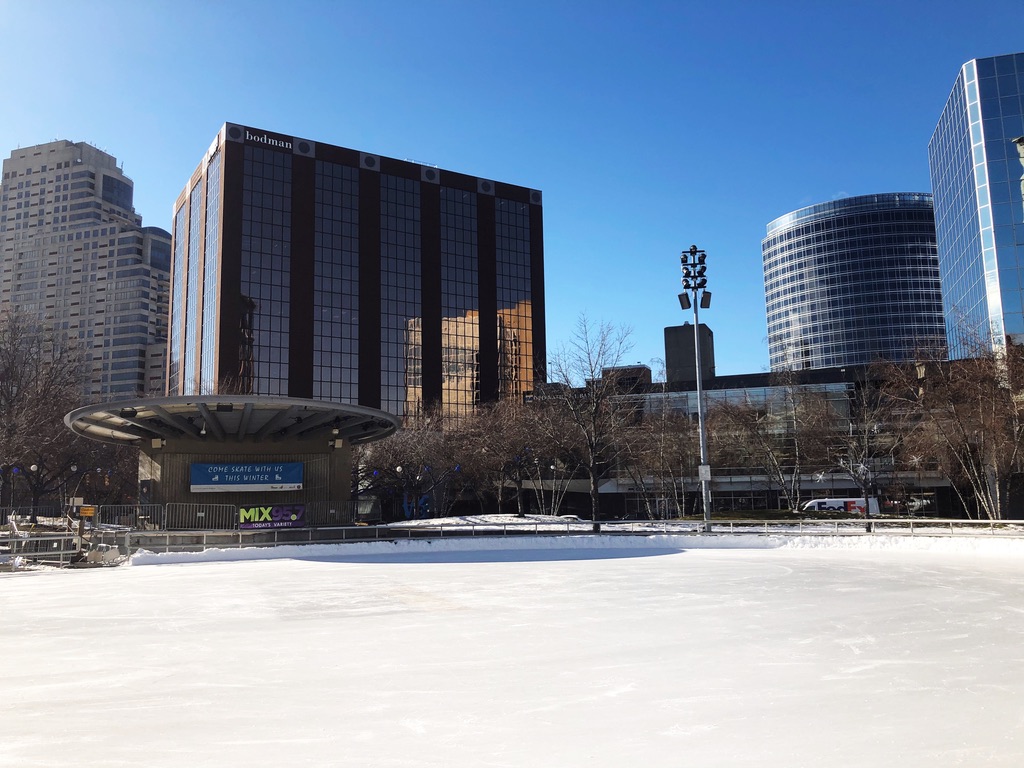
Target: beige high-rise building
75,254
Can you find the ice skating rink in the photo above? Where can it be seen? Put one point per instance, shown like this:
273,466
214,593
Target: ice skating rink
582,651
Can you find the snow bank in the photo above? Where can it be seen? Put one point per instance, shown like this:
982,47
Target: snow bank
982,544
591,546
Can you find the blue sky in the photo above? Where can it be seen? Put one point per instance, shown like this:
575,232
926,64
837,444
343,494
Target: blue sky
647,125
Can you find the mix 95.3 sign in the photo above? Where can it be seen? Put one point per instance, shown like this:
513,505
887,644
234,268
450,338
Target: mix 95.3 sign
280,516
246,477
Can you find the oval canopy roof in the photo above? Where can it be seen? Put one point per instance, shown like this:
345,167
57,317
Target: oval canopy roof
229,418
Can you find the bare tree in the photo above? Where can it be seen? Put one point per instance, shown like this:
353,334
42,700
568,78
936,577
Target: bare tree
867,451
782,436
968,419
660,454
418,468
39,373
509,450
508,459
41,379
583,384
547,465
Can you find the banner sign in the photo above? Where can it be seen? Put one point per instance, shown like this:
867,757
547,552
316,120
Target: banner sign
281,516
246,477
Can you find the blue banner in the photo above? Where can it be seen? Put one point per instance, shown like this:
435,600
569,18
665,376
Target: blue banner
230,477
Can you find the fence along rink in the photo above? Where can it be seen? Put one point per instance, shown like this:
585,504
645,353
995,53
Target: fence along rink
112,524
125,540
198,540
220,517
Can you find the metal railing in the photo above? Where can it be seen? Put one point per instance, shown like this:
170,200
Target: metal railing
226,517
197,540
64,547
142,516
902,525
48,548
25,515
888,526
184,517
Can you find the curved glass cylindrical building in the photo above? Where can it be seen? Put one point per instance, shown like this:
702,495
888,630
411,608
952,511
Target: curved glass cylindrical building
852,281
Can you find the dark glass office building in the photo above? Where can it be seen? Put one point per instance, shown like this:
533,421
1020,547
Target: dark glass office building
976,156
308,270
852,281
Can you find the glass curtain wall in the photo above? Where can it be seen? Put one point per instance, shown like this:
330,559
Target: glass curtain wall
460,302
266,265
515,309
195,230
177,305
211,278
336,292
852,281
401,296
976,157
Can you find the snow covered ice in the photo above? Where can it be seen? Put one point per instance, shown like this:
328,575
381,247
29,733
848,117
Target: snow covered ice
567,651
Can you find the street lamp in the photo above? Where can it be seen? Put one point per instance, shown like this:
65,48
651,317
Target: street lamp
66,499
34,487
694,269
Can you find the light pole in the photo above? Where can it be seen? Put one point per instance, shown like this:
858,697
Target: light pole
694,269
7,481
66,499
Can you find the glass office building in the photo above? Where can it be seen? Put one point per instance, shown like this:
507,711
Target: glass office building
852,281
976,157
307,270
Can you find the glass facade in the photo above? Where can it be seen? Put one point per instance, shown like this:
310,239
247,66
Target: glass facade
177,305
460,301
515,291
266,269
336,291
337,275
192,317
852,281
976,157
773,401
401,353
211,277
